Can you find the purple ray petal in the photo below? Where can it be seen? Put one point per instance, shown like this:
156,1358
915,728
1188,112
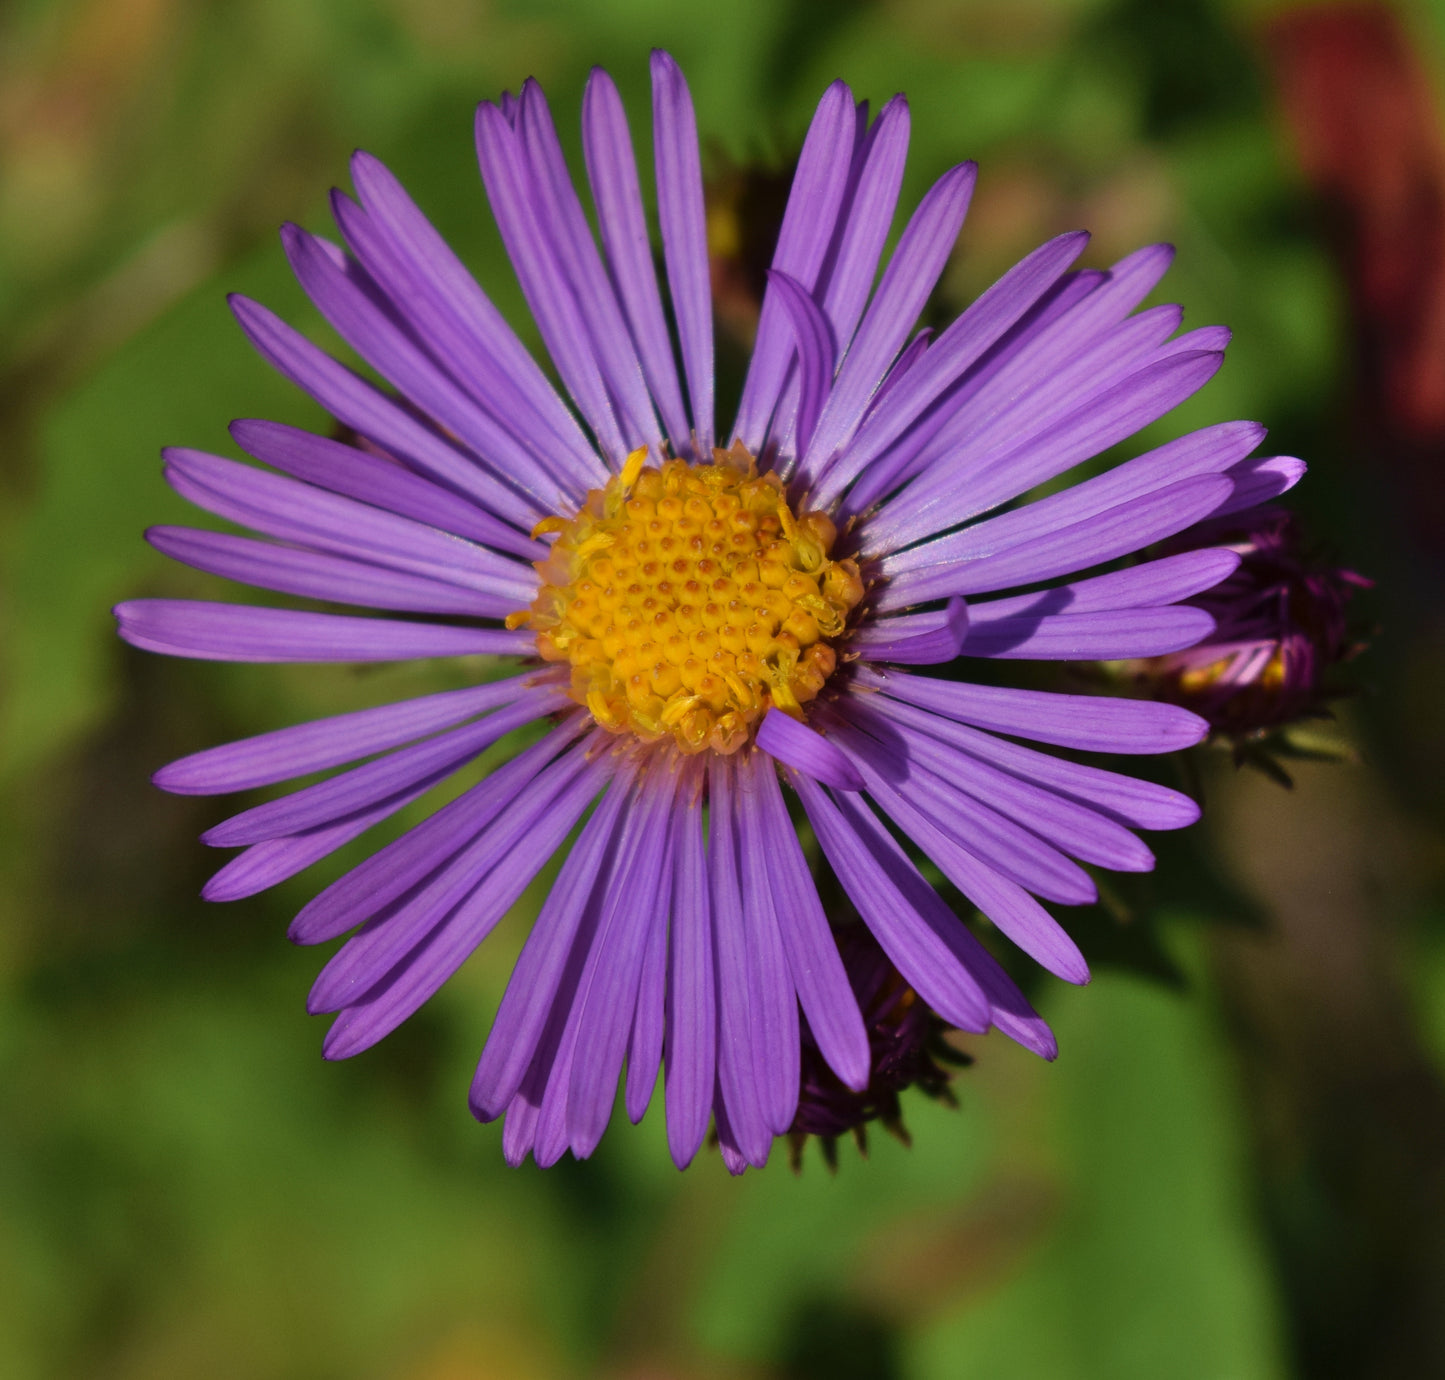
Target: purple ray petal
1210,451
551,1142
470,391
424,315
546,1066
265,864
353,306
1008,1008
524,1111
1021,397
806,749
772,996
316,575
916,639
803,239
1088,722
1148,585
740,1024
1260,480
513,839
1051,356
851,268
1139,804
993,425
607,999
385,484
388,874
439,273
644,1045
897,904
1057,343
727,1142
691,1040
816,349
555,1126
550,1074
304,748
511,190
1105,636
684,236
1093,541
954,412
521,835
996,418
367,410
291,511
1204,338
932,505
560,217
356,789
400,935
521,844
519,1131
1005,902
1012,849
502,425
813,958
912,353
910,277
1076,829
612,172
961,345
239,632
943,962
559,943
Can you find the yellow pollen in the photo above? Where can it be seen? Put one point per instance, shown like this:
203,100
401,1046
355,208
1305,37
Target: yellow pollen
689,599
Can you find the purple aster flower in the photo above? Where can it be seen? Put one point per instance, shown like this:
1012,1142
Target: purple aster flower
697,627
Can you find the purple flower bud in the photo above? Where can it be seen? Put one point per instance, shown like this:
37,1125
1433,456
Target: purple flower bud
907,1050
1281,626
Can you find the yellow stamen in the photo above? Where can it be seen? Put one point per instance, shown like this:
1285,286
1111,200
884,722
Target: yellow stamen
689,599
632,468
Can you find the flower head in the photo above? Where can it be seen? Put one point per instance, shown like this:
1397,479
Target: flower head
699,619
1281,627
689,599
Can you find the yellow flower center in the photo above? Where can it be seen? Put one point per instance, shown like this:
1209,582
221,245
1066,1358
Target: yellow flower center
688,599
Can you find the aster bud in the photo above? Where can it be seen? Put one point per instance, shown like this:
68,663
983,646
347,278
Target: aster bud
1282,626
906,1041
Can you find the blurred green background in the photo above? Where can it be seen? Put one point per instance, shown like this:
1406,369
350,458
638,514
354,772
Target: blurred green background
1235,1170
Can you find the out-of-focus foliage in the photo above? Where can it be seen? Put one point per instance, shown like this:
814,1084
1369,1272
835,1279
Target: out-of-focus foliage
186,1189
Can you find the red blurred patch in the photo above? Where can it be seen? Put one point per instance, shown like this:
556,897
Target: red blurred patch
1362,112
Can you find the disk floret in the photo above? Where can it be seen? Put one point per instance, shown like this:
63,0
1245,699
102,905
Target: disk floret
689,599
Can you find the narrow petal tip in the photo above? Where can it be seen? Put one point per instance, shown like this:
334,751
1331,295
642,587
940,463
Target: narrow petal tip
222,888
